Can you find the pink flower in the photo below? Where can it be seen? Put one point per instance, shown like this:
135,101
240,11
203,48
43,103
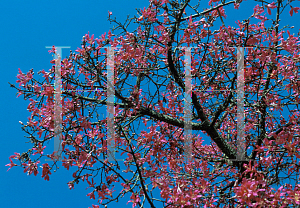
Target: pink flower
209,3
134,199
258,10
67,163
46,171
95,206
39,149
294,9
11,162
31,167
91,195
71,185
271,6
23,79
236,5
53,50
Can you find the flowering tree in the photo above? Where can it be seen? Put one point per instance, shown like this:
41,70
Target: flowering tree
150,86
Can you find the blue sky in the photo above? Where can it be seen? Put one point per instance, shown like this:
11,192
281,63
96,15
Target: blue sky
27,27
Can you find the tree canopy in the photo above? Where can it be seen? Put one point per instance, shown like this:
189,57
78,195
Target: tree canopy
150,85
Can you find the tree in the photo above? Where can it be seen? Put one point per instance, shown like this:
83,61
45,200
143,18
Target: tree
150,57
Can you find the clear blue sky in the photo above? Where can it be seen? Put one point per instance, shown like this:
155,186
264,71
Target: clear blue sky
26,28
